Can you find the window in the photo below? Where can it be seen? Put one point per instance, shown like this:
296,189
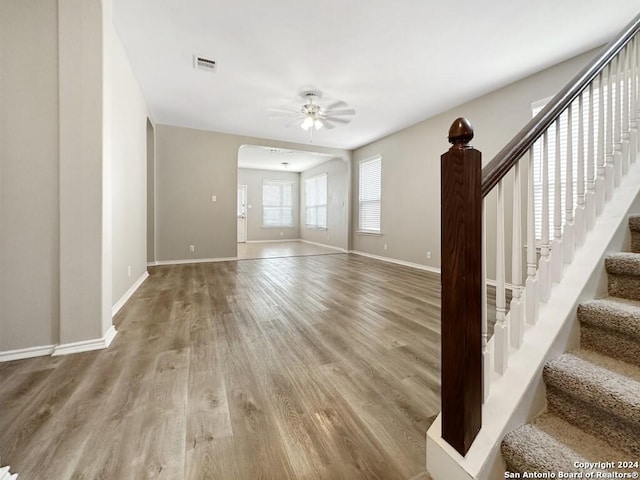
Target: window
277,203
315,191
551,138
370,194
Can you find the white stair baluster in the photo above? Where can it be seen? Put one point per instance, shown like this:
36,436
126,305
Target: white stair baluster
609,169
544,270
579,229
567,231
590,198
617,120
633,107
556,245
601,181
531,299
626,91
516,327
486,356
501,333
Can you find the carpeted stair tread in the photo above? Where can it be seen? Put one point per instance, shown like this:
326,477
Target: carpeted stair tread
623,263
619,315
604,382
552,444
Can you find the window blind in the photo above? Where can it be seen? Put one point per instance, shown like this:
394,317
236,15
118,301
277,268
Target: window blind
315,189
277,203
370,194
563,139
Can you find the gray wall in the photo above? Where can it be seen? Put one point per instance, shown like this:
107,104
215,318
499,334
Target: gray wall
151,192
253,179
338,183
411,164
29,193
128,172
191,166
69,139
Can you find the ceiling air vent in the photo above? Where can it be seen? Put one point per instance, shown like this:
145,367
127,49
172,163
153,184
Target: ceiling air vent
203,63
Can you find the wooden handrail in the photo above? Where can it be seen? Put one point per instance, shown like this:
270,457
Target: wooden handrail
504,161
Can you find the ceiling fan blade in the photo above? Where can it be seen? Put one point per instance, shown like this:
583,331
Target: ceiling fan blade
327,124
342,121
336,104
346,111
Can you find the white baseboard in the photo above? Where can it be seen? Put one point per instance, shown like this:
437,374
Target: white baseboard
398,262
324,245
120,303
274,241
86,345
11,355
194,260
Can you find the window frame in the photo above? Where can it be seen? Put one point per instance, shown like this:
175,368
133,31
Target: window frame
282,184
363,230
316,206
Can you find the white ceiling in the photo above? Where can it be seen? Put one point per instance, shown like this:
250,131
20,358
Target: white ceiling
396,62
269,158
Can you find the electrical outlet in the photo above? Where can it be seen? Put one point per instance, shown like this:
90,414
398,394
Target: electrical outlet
429,254
281,234
214,198
129,270
386,247
192,248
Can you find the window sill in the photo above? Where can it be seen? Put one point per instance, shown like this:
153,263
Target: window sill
319,229
278,226
373,234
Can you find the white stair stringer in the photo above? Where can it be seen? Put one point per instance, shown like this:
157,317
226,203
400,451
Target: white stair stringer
518,395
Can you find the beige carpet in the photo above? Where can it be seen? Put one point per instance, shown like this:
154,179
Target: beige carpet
593,394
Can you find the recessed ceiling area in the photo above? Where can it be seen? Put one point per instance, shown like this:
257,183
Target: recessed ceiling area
395,63
283,159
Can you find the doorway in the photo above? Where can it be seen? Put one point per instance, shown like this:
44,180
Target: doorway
242,213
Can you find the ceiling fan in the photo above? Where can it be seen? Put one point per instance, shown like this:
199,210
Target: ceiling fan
314,116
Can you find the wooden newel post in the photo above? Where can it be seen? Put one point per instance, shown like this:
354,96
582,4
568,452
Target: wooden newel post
461,264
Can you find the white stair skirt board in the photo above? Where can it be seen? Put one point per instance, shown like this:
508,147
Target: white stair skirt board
120,303
195,260
5,474
86,345
324,245
11,355
515,397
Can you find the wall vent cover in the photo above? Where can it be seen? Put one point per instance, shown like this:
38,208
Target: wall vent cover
204,63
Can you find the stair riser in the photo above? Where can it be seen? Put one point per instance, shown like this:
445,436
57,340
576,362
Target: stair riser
635,242
610,343
624,286
592,419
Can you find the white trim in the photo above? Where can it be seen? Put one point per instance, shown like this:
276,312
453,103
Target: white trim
152,264
86,345
369,232
275,241
120,303
31,352
195,260
398,262
323,245
5,474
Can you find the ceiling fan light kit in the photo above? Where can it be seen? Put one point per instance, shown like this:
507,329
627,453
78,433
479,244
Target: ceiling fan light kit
312,116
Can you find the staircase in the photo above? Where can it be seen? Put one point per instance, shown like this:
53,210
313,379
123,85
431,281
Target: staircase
593,394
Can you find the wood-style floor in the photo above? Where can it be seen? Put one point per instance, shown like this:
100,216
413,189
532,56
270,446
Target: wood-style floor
321,367
292,248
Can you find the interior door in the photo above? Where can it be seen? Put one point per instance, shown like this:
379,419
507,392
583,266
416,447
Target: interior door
242,213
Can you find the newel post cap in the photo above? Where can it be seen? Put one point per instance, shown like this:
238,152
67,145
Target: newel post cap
460,133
